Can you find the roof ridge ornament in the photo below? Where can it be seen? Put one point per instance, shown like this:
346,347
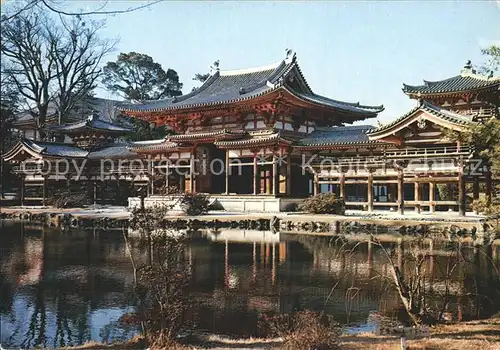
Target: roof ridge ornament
93,116
290,56
468,68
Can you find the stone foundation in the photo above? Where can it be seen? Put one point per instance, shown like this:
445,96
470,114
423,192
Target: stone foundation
248,204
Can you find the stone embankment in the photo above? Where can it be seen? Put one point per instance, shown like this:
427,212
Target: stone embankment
356,225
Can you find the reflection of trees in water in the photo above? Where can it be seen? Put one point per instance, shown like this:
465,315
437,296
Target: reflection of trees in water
464,285
82,273
73,282
278,278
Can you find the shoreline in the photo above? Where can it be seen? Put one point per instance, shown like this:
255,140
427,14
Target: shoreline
119,212
483,334
389,226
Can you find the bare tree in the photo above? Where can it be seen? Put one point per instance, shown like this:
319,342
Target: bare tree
77,54
58,7
49,61
30,65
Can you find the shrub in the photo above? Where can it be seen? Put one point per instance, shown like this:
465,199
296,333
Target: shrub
194,203
166,190
163,284
304,330
324,203
67,199
482,206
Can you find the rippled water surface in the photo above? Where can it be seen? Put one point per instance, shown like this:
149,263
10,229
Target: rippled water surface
59,289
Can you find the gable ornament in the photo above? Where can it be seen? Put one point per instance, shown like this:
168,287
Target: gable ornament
422,124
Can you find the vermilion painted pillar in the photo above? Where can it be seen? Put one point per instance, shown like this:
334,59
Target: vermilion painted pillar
417,197
432,191
289,175
461,192
227,172
401,193
370,192
342,186
255,173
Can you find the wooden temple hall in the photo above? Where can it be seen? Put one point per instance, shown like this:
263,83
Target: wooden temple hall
260,140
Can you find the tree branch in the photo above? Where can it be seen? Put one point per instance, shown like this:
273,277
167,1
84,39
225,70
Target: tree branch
98,12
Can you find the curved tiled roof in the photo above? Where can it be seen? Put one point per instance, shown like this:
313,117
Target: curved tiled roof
48,149
347,106
439,112
116,151
105,108
218,134
154,145
92,122
255,140
339,135
225,87
459,83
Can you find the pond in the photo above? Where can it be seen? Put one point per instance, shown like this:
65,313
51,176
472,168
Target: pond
66,288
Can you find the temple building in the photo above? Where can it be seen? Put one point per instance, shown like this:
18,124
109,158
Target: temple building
89,163
25,124
261,140
288,142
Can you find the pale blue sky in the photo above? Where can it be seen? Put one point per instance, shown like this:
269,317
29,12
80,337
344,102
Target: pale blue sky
353,51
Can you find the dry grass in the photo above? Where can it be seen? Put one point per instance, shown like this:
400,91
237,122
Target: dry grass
215,342
476,335
136,342
481,335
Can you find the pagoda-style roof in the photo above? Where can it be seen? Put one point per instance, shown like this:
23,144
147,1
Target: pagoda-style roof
41,149
105,108
321,137
264,139
467,80
154,146
114,151
27,148
224,134
92,123
437,115
234,86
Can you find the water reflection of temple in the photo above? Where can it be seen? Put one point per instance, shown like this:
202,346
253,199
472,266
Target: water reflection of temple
278,273
67,288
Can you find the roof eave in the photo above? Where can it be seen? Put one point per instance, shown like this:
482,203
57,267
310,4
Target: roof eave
362,114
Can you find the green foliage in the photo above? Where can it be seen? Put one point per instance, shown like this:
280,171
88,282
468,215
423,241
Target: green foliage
194,203
68,199
324,203
166,190
445,191
492,64
483,207
303,330
485,138
137,77
204,77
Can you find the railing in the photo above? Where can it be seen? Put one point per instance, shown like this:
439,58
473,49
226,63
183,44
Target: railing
428,152
480,112
30,168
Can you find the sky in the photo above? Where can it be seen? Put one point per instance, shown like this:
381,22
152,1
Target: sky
353,51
